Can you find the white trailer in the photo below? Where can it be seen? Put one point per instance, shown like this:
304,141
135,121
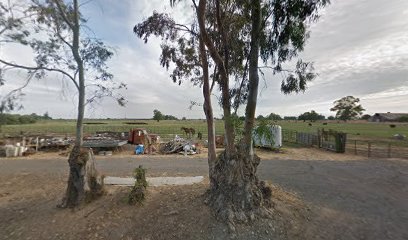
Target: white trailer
273,139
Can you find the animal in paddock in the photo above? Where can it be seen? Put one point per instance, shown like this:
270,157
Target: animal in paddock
190,132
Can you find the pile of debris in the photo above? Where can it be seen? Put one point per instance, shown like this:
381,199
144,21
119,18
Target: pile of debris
53,143
178,145
112,135
103,143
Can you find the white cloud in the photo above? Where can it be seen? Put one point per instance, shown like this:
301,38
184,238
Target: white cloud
360,48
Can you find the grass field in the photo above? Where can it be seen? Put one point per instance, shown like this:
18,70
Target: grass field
168,128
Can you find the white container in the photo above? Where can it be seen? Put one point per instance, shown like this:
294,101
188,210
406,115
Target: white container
262,141
11,151
20,151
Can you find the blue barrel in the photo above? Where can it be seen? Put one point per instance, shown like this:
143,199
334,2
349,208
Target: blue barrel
139,149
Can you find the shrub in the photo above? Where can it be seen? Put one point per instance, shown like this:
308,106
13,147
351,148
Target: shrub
403,119
138,192
392,126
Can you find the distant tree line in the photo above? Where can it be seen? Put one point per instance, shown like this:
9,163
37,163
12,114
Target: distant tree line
14,119
157,115
307,116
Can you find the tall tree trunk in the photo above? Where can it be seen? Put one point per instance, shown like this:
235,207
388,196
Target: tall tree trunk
208,111
81,76
228,121
226,98
237,194
253,79
224,81
79,188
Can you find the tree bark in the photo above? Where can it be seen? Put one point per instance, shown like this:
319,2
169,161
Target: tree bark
81,77
208,111
84,183
76,192
253,77
237,194
224,81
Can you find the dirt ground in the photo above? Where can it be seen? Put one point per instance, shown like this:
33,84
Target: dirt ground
28,207
168,213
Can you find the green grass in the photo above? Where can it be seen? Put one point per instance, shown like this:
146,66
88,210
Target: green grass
168,128
67,127
355,130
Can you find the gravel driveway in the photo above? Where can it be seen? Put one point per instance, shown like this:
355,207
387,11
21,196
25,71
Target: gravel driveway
358,199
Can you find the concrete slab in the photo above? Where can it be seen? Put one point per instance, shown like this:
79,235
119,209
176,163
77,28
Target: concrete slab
154,181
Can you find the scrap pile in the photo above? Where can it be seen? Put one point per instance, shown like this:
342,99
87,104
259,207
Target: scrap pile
105,140
103,143
111,135
54,143
178,145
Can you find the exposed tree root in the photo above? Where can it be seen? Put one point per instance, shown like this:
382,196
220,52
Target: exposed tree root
84,183
236,195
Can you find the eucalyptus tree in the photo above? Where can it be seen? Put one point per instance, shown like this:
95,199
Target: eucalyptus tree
12,16
233,37
183,49
61,48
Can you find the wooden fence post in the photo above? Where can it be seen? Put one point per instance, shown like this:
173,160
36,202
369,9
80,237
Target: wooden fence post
369,149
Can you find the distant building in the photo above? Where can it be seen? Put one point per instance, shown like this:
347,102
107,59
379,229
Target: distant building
387,117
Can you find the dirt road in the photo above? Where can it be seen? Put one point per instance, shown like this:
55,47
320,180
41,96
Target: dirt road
356,199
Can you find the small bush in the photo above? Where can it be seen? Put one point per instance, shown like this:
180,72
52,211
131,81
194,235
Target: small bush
393,126
403,119
138,192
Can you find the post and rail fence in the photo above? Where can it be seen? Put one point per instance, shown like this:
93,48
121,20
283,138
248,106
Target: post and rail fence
367,148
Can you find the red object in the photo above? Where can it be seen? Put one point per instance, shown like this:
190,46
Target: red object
137,136
140,136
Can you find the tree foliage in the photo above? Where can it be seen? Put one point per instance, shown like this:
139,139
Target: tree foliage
274,117
60,47
347,108
157,115
233,36
311,116
48,27
403,119
17,119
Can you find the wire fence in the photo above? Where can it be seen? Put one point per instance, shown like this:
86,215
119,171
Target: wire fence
377,149
368,148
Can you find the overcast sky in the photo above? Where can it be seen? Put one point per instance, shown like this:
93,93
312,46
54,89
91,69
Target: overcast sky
359,48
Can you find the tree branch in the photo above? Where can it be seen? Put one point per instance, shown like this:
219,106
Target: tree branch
207,40
184,28
62,38
63,15
223,34
42,68
277,69
19,88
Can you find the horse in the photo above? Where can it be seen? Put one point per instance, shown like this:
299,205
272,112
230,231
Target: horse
190,132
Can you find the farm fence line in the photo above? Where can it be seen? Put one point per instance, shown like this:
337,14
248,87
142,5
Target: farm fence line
368,148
